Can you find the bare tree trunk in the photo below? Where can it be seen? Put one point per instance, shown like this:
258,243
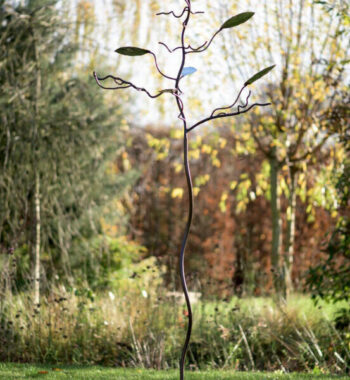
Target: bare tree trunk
37,242
276,229
290,233
37,219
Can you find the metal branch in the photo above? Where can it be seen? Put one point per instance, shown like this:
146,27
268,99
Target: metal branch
181,106
206,45
198,48
159,71
246,102
173,13
190,196
166,46
232,105
227,115
122,84
180,15
189,47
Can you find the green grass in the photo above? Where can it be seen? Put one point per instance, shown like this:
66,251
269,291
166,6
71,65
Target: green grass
299,303
26,371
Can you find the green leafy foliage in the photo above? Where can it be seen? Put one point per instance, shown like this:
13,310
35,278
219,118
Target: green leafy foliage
259,75
63,133
132,51
330,280
237,20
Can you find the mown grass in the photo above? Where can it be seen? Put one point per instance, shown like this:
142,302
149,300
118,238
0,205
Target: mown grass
25,371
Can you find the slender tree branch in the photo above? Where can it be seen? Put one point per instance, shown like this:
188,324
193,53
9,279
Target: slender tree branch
122,84
312,151
295,146
227,115
258,142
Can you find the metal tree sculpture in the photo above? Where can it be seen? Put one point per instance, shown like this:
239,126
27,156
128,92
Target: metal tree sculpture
218,113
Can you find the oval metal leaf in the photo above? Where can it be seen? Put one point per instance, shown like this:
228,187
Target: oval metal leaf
188,71
237,20
131,51
259,75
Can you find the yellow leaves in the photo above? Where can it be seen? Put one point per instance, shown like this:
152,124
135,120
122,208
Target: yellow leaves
109,229
297,60
240,35
161,146
194,103
334,214
202,180
241,207
164,190
196,191
126,162
310,218
222,204
176,133
302,180
197,143
216,162
262,179
222,142
154,6
177,193
240,149
245,135
178,168
124,125
86,18
282,187
194,154
206,149
233,185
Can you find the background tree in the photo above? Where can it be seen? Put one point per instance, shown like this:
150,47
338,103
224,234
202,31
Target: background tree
58,143
292,136
330,279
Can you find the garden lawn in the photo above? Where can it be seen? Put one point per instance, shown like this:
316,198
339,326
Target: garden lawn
26,371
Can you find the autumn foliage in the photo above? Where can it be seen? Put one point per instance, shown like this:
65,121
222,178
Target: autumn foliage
231,236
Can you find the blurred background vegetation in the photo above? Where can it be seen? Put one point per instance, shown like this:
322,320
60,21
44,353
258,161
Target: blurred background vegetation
93,196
